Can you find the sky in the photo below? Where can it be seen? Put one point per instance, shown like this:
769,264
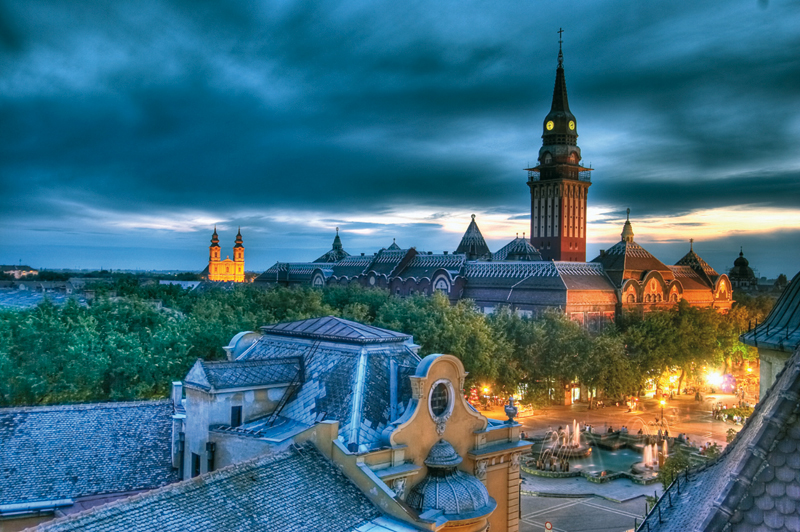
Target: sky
129,129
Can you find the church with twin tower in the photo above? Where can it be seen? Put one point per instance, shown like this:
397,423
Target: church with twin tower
559,184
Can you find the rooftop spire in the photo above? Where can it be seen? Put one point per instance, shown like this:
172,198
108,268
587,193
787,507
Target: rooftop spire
691,244
627,229
560,53
215,238
239,243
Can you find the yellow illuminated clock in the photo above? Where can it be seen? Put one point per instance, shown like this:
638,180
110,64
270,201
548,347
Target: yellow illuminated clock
549,125
572,125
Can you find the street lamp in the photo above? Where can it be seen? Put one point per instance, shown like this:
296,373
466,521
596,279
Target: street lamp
663,402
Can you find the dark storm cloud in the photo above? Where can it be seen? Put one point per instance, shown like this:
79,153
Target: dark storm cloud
341,111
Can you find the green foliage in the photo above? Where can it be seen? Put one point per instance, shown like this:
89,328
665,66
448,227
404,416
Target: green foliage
673,466
137,337
730,435
713,451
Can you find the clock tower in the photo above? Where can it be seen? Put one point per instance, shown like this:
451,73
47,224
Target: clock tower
559,184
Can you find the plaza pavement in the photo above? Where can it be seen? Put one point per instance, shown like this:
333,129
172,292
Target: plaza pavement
575,504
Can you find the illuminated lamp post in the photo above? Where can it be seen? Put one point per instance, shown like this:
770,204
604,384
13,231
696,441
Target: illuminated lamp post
663,402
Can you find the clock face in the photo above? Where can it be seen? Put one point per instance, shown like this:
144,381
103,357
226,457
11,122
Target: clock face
549,125
572,125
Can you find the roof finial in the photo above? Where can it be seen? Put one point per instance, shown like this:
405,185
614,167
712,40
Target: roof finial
560,40
691,244
473,216
741,251
629,215
517,235
394,241
337,231
523,235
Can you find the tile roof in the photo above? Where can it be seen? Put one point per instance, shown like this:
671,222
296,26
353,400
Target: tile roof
70,451
628,256
473,244
297,490
755,483
513,270
517,249
425,265
386,261
585,276
343,380
781,330
336,329
228,374
351,266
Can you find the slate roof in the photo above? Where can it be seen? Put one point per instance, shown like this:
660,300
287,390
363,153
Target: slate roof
781,330
584,276
335,329
293,271
755,483
71,451
297,490
473,244
690,279
347,368
228,374
517,249
386,261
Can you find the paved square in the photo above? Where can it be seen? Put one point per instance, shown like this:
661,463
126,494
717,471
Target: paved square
574,515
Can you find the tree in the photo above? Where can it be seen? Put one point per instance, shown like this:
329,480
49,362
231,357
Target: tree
673,466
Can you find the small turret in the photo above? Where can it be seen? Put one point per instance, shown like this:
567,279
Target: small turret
627,229
213,249
238,252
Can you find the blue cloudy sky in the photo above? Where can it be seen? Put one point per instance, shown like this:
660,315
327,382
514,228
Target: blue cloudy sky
128,129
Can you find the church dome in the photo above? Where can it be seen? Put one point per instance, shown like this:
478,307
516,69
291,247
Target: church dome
741,262
445,488
741,271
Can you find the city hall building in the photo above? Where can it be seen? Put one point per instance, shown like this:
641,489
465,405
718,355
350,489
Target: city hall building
548,270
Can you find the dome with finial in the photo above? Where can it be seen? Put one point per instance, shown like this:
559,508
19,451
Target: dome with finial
627,229
215,238
519,249
447,489
742,275
239,243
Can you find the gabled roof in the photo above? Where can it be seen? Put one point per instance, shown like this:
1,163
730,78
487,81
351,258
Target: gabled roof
331,328
394,245
386,261
781,330
71,451
473,244
295,490
517,249
293,271
753,485
227,374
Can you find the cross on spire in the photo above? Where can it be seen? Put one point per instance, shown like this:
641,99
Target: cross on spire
560,40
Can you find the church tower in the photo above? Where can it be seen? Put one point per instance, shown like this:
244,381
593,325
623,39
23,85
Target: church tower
238,258
213,249
559,184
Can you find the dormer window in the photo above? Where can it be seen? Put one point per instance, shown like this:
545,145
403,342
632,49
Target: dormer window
548,158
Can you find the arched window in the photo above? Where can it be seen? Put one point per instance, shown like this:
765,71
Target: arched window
547,158
573,159
631,298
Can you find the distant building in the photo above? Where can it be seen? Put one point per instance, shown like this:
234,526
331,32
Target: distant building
624,277
546,271
17,271
225,270
742,276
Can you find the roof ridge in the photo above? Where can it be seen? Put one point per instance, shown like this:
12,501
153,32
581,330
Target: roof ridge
84,406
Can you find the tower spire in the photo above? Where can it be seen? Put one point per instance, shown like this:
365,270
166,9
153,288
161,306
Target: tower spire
560,53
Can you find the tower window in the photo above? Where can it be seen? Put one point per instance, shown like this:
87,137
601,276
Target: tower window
195,464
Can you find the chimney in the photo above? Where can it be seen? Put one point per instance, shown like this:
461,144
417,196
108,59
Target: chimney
362,254
602,253
177,393
445,253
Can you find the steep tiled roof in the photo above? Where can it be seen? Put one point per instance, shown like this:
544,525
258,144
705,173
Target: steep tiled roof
70,451
690,278
293,271
584,276
628,256
754,484
781,330
343,380
513,270
335,329
294,491
517,249
228,374
703,269
386,261
473,244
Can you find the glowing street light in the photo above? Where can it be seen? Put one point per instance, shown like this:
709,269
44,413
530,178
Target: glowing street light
663,402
